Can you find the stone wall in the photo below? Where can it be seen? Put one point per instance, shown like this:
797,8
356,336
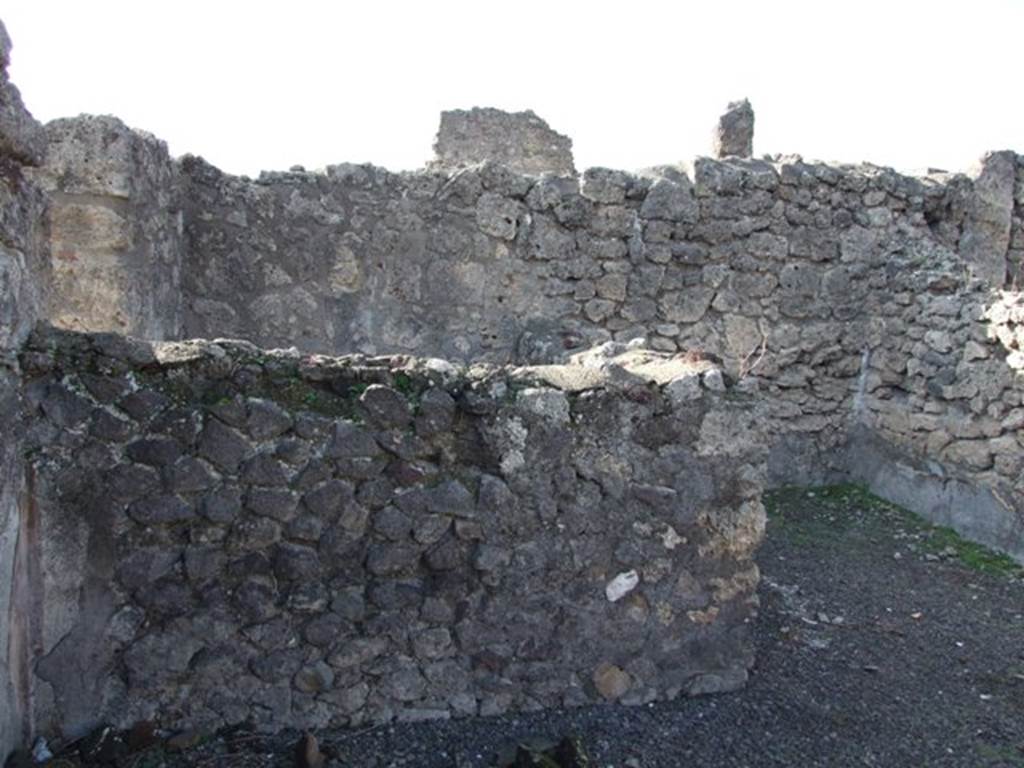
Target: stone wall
304,540
24,277
945,388
804,279
754,262
485,263
868,325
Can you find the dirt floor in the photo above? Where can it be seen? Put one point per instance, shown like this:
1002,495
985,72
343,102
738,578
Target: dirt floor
882,642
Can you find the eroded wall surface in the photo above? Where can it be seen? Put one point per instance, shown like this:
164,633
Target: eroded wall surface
24,277
312,541
520,141
115,228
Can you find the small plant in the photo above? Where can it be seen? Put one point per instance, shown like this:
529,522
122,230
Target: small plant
1004,755
404,384
356,390
974,556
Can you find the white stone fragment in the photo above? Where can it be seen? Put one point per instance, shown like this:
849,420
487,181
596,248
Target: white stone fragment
446,369
41,752
671,538
713,380
621,585
180,352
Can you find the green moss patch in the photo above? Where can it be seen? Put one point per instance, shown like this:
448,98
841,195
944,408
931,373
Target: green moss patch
852,515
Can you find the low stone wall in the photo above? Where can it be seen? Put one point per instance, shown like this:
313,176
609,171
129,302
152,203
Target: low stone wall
230,534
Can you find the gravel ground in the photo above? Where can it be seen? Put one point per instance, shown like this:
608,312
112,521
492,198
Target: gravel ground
881,642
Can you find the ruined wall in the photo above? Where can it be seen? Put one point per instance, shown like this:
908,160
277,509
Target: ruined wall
946,389
305,541
520,141
24,273
843,294
115,228
488,263
805,279
298,546
939,415
771,266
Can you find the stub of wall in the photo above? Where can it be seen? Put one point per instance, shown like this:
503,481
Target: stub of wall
312,541
115,228
520,141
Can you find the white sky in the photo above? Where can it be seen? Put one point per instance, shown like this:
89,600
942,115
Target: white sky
266,85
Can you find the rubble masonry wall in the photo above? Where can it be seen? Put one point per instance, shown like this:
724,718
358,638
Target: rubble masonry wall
236,535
